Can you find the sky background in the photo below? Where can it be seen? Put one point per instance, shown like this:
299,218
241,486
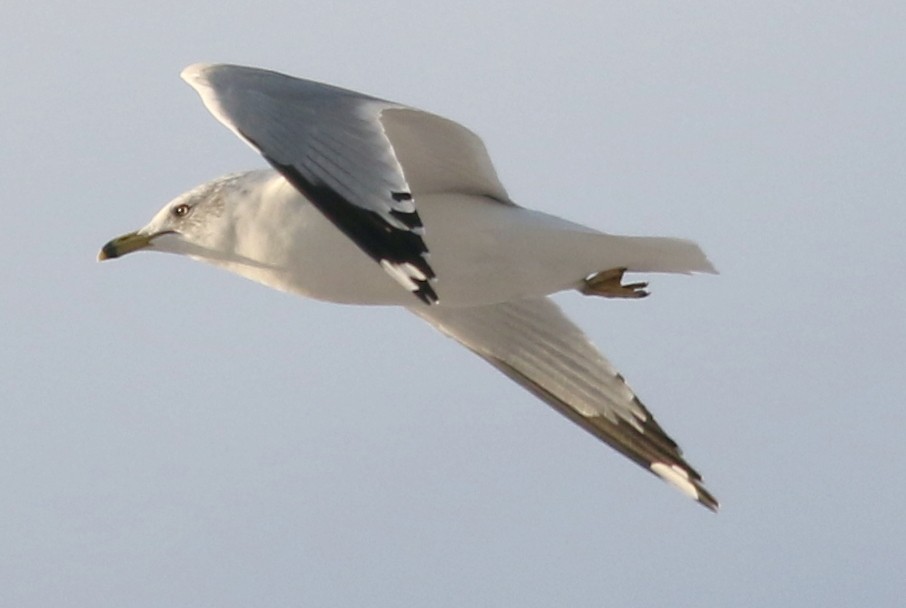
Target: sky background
172,435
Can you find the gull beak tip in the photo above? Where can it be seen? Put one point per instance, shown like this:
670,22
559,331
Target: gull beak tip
122,245
105,253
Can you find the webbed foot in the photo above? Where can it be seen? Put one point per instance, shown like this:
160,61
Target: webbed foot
609,284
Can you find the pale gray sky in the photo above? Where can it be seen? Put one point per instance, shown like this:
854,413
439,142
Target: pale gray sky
171,435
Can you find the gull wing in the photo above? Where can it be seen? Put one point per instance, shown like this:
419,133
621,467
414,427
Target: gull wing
362,161
535,344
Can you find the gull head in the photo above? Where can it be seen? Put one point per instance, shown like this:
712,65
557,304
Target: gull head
198,223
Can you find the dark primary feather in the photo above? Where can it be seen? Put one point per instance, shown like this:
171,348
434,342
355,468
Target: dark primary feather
381,241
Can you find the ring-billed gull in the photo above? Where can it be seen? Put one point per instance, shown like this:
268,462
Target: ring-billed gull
372,202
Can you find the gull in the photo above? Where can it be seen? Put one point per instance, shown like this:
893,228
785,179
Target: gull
371,202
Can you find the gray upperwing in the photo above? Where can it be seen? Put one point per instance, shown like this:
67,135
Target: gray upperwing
535,344
441,156
330,145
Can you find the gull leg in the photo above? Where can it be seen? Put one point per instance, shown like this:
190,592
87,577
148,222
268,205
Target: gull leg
609,284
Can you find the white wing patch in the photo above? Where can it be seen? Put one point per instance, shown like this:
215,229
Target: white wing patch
405,274
676,477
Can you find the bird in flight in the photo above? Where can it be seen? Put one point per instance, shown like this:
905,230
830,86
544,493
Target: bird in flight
376,203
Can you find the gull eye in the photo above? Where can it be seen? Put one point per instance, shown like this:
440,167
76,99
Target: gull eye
181,210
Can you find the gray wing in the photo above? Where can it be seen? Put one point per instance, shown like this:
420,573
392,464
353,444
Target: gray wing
360,160
535,344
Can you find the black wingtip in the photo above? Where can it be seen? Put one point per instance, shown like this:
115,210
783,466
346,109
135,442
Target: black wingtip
426,293
400,249
707,500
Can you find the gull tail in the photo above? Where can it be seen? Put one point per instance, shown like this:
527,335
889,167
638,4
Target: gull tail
656,254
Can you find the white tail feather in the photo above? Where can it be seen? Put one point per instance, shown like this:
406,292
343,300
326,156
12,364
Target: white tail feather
657,254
